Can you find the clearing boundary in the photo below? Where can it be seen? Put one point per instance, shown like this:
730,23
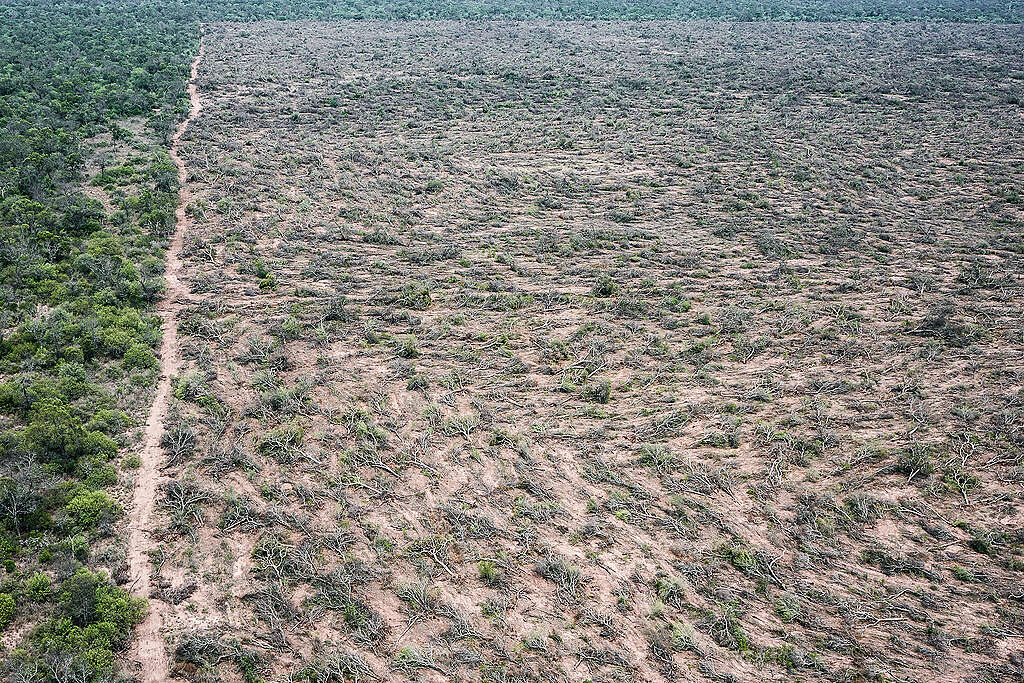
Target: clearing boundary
148,649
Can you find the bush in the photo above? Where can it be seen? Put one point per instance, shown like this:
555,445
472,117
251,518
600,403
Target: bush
489,572
97,474
72,379
109,422
88,509
6,609
139,356
415,295
407,348
916,461
116,606
604,287
89,599
38,587
56,436
95,620
281,443
600,391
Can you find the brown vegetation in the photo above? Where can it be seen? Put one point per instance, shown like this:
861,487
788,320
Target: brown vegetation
666,351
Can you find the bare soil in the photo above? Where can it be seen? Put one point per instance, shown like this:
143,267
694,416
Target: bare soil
148,649
597,351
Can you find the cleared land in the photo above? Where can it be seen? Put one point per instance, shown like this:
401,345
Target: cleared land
665,351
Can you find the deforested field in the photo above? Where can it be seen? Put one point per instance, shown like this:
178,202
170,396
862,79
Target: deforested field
601,351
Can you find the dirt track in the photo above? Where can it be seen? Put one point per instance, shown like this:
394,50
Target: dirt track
149,648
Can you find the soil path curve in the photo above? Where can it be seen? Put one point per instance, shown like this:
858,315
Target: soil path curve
148,649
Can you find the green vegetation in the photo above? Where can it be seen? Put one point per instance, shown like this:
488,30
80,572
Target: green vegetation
90,93
87,622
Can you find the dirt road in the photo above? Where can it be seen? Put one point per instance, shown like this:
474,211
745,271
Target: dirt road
148,649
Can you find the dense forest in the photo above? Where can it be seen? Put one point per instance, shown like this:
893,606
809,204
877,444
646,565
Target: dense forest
78,277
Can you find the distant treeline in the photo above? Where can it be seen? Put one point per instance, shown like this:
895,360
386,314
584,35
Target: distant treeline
732,10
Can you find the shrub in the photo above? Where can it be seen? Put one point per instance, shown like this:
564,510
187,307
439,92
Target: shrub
94,621
56,436
415,295
139,356
6,609
418,383
741,558
788,607
489,572
407,349
599,391
605,286
109,422
964,574
671,590
281,443
915,461
179,439
97,474
88,509
72,379
190,386
38,587
116,606
683,637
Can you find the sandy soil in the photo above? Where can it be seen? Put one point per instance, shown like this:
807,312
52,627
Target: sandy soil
149,650
418,251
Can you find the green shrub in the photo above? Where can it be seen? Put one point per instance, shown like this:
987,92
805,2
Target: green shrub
407,348
97,475
414,295
94,621
915,461
604,287
72,380
741,558
89,508
788,607
38,587
599,391
56,436
964,574
489,572
291,328
6,609
671,590
116,606
110,422
139,356
418,383
280,443
190,386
